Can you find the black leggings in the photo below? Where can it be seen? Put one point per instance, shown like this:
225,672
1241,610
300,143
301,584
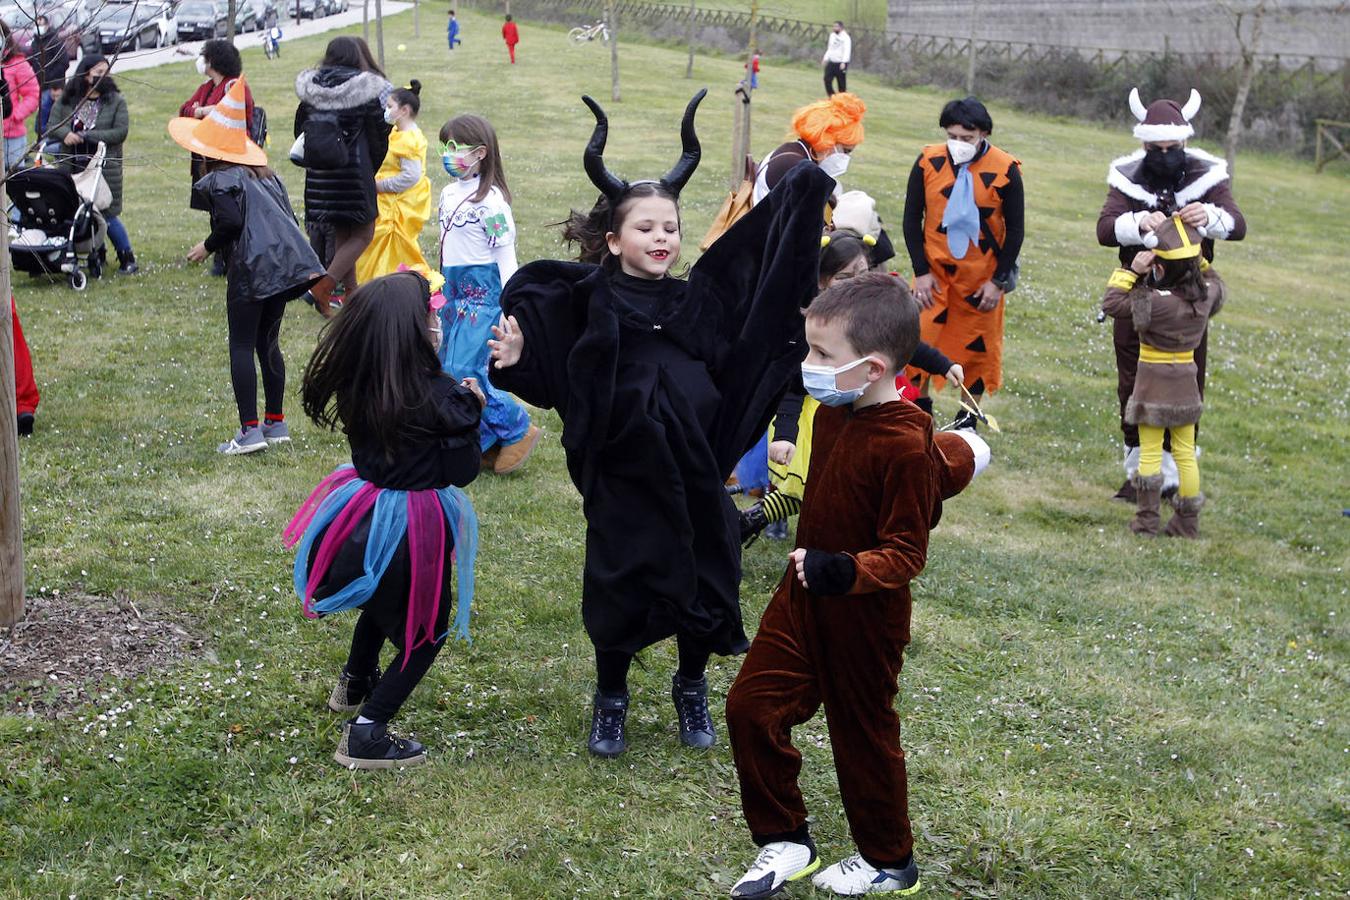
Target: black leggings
255,328
611,666
398,681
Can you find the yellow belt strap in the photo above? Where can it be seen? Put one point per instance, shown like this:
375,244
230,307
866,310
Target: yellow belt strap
1154,355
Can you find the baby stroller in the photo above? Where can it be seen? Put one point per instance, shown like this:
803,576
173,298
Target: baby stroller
58,222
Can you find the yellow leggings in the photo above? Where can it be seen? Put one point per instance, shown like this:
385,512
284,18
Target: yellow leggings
1183,451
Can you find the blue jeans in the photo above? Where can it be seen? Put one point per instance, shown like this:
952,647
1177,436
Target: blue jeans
14,148
117,233
44,111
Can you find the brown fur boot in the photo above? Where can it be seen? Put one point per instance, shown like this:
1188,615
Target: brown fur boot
1148,490
1185,521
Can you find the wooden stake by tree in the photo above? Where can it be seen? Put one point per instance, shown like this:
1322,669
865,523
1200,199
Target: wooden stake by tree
1249,44
11,525
417,19
365,20
612,22
689,34
379,32
970,62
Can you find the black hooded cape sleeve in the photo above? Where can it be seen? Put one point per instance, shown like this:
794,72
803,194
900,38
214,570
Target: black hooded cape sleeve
762,271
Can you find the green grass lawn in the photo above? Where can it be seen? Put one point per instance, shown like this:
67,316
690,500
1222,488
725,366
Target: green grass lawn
1086,715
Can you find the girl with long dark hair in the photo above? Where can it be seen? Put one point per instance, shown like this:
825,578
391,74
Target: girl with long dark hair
92,110
382,534
341,116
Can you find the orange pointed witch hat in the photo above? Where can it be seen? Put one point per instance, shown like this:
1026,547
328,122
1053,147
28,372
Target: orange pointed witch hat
223,134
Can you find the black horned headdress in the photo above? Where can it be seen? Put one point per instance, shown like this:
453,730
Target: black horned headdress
615,188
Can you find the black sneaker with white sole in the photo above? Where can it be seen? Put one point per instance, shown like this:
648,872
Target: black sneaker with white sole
350,692
369,745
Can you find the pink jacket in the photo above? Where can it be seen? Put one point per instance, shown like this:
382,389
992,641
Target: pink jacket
24,94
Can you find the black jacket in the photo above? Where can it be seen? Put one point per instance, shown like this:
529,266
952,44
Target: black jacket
267,254
660,394
50,60
345,196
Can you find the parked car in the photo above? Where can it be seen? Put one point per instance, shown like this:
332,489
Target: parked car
307,9
338,6
124,27
245,17
202,19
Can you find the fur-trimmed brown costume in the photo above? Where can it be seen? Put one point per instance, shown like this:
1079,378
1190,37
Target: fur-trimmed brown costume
1165,394
1204,180
874,491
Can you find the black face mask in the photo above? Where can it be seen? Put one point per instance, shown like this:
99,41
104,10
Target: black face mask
1165,166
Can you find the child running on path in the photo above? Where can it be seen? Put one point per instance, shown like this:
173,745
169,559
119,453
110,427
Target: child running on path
478,256
382,533
661,384
1170,309
268,261
836,629
403,191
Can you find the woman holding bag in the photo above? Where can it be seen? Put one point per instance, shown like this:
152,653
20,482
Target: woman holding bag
91,110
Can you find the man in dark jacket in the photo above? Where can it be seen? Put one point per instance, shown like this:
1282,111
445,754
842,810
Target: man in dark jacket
1148,187
50,62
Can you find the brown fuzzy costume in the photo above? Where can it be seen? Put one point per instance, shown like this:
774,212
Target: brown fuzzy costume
875,488
1165,394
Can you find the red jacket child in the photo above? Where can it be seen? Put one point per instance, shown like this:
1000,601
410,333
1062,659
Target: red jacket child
25,387
511,35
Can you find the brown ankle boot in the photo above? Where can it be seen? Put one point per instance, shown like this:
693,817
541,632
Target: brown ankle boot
1185,521
320,294
1148,491
513,456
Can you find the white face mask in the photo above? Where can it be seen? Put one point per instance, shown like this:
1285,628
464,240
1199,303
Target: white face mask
391,115
961,152
835,164
201,65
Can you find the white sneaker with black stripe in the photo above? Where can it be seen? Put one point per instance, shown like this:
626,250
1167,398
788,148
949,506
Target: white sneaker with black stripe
777,864
855,876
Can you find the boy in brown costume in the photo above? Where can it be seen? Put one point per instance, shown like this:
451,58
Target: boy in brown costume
835,631
1170,310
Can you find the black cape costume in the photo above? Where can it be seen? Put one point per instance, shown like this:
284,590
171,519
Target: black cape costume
658,403
272,258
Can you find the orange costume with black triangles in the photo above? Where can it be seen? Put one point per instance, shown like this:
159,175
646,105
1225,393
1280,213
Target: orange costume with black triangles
954,324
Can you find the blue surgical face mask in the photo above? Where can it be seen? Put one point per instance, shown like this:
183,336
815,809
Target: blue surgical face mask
822,383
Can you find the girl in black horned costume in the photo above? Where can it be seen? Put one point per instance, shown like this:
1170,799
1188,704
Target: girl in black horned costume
662,384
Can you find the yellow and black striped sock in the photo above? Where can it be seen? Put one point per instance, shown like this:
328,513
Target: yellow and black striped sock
779,507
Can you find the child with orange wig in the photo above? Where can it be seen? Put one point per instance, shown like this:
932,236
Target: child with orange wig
825,132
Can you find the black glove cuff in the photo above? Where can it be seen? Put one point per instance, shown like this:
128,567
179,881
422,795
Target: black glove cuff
829,574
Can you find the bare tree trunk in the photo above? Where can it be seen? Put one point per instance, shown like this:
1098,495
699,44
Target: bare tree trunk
11,521
229,26
612,22
1250,46
365,20
689,67
379,31
970,63
417,19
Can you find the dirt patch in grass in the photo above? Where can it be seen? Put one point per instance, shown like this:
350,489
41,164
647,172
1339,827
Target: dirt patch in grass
65,645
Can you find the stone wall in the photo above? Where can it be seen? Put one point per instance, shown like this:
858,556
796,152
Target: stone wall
1292,27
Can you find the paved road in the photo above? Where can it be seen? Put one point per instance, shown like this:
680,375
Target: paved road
147,59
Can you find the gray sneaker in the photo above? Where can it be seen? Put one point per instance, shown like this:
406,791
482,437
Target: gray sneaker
248,440
276,433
